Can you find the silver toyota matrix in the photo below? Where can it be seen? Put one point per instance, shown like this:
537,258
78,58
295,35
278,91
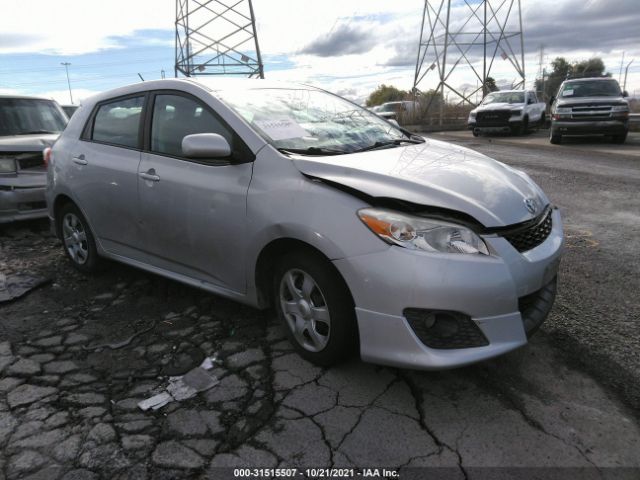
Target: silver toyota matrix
362,236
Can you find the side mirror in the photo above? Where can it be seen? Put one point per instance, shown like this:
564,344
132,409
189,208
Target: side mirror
625,93
205,145
551,100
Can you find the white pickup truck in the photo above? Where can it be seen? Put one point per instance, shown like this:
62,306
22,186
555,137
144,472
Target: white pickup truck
513,111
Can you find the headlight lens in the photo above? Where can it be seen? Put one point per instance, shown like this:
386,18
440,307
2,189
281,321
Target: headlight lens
417,233
516,113
472,114
619,108
563,110
7,165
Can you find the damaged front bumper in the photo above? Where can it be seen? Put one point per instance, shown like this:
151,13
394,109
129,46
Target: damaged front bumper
22,197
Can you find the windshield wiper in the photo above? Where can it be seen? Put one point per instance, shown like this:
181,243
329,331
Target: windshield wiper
312,151
33,132
396,142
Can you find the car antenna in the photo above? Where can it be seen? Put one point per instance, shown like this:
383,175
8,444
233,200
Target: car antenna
141,77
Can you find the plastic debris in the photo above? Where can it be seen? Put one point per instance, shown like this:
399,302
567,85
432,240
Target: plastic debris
17,285
183,387
155,402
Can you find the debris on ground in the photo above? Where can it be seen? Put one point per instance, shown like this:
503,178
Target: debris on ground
16,285
183,387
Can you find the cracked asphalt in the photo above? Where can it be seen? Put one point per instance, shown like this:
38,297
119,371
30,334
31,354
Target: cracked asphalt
78,353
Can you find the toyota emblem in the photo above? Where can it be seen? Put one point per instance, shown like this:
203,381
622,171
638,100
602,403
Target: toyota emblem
531,205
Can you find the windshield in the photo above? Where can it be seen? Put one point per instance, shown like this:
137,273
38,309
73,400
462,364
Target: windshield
312,121
593,88
22,116
390,107
504,97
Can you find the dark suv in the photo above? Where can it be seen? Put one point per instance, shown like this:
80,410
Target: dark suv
589,106
27,126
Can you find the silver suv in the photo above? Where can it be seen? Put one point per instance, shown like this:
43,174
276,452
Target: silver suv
27,126
361,235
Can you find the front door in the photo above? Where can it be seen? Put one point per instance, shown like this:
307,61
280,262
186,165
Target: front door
193,213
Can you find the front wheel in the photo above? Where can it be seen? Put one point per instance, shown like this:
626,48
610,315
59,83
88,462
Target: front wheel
77,239
619,138
555,138
315,305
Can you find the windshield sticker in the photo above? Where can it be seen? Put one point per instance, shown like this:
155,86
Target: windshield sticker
567,93
281,128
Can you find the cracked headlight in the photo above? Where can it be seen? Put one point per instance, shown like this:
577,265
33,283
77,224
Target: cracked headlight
7,165
417,233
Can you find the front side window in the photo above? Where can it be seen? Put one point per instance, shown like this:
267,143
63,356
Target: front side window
175,117
118,122
26,116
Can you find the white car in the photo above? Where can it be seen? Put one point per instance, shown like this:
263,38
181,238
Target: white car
508,111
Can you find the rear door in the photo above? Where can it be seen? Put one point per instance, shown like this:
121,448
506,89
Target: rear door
193,213
105,173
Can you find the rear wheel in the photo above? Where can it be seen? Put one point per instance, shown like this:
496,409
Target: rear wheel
77,239
315,305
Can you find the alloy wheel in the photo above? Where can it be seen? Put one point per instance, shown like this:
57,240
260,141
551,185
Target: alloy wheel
75,238
305,310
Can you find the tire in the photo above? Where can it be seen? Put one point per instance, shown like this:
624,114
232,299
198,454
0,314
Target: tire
475,133
543,121
320,317
77,239
619,138
555,138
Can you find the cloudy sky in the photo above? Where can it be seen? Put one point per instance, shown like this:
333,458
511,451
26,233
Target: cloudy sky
348,46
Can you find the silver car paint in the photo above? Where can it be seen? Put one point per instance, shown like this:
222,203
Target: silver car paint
214,239
25,186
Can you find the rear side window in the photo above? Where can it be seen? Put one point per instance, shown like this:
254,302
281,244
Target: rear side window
118,122
175,117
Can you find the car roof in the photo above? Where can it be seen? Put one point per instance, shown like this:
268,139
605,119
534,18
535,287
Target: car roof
210,84
595,79
26,97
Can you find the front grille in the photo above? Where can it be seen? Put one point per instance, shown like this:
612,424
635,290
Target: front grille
493,118
529,237
590,112
445,330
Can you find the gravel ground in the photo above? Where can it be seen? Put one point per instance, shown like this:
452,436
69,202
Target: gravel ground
78,353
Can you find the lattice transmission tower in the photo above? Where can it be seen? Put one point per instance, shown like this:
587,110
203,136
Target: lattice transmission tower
215,37
468,34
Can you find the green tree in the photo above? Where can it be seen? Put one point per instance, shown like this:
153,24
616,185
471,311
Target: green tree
561,69
385,93
490,84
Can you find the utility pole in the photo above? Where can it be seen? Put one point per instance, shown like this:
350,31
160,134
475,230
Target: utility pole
621,66
626,71
449,42
66,68
216,38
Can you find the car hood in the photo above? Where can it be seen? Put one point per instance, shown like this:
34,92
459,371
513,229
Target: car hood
435,174
498,106
26,143
563,102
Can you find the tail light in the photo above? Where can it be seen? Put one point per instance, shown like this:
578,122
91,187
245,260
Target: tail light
47,155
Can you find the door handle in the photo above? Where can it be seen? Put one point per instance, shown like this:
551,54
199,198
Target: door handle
79,160
150,175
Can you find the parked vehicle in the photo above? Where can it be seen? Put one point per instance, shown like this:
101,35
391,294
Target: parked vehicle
507,111
589,106
69,110
396,110
421,253
27,126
